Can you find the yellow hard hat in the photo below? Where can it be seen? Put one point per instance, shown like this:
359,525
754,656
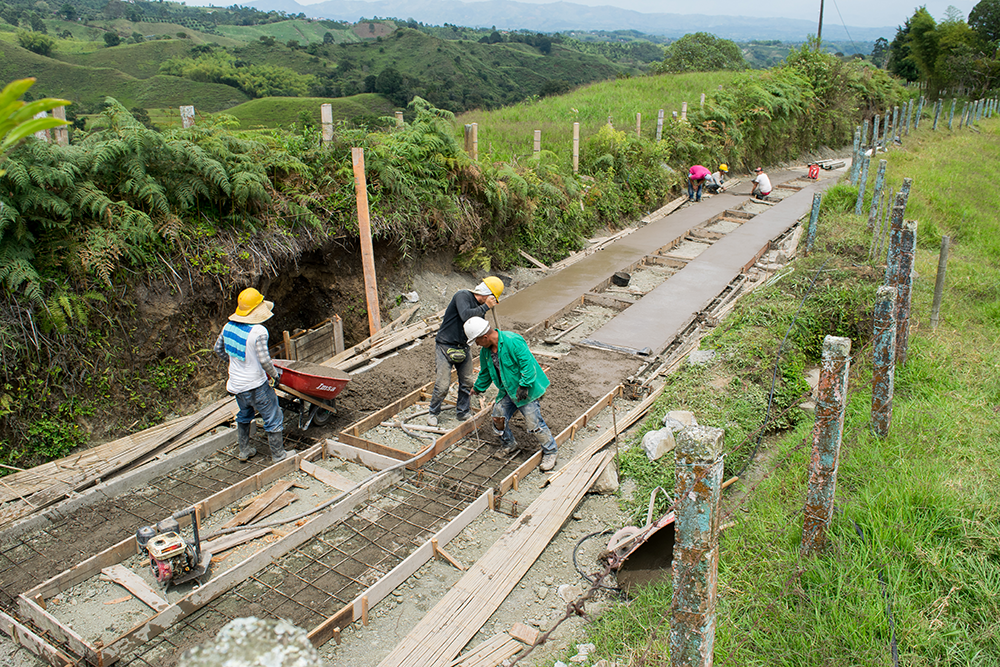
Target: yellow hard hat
490,285
248,300
723,167
251,307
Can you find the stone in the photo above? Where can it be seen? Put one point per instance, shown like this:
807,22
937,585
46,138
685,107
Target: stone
569,592
658,443
253,642
411,297
607,482
548,581
685,417
541,592
701,357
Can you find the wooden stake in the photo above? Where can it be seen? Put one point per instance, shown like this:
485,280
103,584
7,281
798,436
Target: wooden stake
365,231
364,610
441,553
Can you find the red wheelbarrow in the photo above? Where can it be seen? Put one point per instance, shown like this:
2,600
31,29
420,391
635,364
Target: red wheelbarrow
641,556
312,388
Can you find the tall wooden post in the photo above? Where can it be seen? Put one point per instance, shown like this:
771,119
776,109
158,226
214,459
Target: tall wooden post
326,121
883,359
576,148
659,125
827,435
698,471
365,232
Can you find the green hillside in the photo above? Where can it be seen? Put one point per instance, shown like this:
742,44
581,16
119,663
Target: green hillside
283,111
139,60
303,31
90,85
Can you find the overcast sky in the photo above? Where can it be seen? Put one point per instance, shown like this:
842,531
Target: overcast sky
848,12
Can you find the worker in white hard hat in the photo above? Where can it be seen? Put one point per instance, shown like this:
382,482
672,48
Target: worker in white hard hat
243,342
761,185
714,181
506,361
451,349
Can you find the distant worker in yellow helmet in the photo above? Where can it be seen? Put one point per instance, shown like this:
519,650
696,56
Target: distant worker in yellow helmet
714,181
451,347
243,342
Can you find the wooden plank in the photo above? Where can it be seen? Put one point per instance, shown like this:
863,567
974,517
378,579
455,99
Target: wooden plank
33,643
490,653
378,591
135,585
227,542
478,420
533,260
257,506
375,447
523,633
328,477
282,501
360,456
457,617
50,625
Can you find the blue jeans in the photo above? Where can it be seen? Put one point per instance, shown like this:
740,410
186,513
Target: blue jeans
442,380
263,400
532,413
691,183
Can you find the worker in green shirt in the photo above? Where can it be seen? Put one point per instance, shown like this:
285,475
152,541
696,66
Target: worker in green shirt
506,361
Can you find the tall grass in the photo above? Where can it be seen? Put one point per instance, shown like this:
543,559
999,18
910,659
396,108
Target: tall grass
914,546
508,133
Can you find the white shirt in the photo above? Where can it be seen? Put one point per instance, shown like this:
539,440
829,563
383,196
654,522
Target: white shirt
246,374
763,182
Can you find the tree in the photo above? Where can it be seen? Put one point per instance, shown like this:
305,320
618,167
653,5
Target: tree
880,52
36,42
701,52
985,20
112,39
328,38
68,12
900,63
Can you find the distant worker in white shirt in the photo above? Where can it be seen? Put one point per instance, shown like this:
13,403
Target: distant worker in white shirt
761,185
713,182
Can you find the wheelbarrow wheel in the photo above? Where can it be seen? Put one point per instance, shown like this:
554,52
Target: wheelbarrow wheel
323,417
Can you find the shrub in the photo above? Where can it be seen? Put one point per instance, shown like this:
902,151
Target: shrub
36,42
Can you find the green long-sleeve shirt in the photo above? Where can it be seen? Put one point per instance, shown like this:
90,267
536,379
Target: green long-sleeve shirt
518,368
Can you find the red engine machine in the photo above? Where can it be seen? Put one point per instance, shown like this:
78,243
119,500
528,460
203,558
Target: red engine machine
173,559
814,170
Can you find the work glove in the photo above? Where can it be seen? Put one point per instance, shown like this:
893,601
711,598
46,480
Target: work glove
522,394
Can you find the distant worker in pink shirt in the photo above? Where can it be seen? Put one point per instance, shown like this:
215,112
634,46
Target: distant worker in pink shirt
696,177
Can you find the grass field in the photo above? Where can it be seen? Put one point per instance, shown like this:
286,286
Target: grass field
508,133
305,32
283,111
913,562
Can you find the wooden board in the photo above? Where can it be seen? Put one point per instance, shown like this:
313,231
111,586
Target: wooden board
454,621
257,506
29,640
328,477
135,585
490,653
227,542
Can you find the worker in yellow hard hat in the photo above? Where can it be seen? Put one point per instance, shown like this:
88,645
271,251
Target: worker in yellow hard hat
452,347
714,181
243,342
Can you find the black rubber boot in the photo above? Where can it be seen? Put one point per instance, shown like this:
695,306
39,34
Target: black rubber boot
276,442
243,440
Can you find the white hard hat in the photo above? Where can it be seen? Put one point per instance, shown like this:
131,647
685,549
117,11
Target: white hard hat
475,327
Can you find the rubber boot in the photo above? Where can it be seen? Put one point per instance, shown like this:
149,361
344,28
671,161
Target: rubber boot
243,440
276,442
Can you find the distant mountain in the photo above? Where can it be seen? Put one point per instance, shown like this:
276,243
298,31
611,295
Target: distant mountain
566,17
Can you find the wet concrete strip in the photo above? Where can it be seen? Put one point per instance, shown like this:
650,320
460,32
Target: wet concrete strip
547,298
650,325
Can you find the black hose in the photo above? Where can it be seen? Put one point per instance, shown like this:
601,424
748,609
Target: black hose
590,580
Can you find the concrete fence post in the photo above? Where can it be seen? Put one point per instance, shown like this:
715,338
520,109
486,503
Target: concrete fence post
399,119
909,117
920,110
638,125
904,287
875,134
939,282
187,116
326,122
659,125
537,147
674,115
609,122
877,193
468,139
813,221
937,112
858,147
576,148
883,359
62,134
41,135
703,100
684,110
696,547
862,181
864,135
951,114
831,402
475,141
